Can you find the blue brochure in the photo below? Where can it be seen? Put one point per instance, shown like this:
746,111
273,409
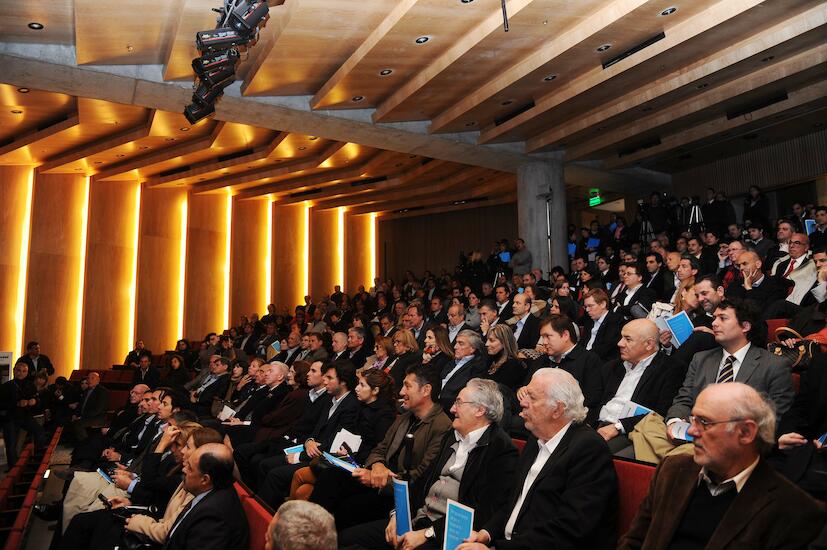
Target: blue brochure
810,226
459,521
336,461
294,449
403,507
572,249
823,439
681,327
593,243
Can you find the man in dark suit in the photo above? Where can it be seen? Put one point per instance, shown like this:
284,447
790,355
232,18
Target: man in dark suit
642,376
726,495
18,398
560,339
468,363
416,319
342,412
566,490
146,373
475,448
504,307
658,279
635,294
91,410
291,352
527,327
601,329
214,519
36,360
356,351
438,315
213,387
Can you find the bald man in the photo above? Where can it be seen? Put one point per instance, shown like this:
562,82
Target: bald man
642,376
756,286
215,518
91,410
725,494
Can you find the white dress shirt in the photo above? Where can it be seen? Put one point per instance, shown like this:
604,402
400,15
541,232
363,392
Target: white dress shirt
610,412
630,292
519,327
739,360
466,445
453,371
546,450
595,328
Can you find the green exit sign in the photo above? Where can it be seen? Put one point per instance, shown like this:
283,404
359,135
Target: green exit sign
594,197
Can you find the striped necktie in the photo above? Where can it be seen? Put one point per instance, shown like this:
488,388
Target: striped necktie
727,373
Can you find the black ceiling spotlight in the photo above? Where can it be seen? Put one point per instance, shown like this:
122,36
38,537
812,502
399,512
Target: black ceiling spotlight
236,28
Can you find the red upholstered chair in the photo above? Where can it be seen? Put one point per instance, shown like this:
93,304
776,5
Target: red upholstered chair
773,324
633,480
15,541
258,518
519,443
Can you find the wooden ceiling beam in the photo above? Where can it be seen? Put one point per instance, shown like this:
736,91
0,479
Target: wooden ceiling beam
33,137
800,102
588,27
719,13
372,41
99,146
805,62
728,59
161,155
492,23
207,167
347,190
272,171
495,200
257,56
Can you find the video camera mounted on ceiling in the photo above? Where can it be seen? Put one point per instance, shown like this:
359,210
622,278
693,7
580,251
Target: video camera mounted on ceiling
236,29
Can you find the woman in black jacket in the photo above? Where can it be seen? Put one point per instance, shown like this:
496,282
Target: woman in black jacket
407,355
438,351
504,367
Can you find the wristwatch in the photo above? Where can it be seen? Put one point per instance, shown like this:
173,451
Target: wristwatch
429,533
619,426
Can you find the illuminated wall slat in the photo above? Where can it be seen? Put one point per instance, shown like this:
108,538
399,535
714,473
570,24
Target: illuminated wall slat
249,269
359,254
16,187
324,252
81,281
290,250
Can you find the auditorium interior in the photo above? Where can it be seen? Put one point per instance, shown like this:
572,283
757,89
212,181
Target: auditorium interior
357,144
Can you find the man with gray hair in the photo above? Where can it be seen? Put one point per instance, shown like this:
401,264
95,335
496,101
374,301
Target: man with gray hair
301,525
566,491
469,362
726,495
476,466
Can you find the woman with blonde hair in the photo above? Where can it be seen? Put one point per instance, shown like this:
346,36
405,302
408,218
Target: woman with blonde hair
407,354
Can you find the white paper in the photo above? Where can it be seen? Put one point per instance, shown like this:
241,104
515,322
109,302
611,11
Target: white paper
354,441
226,413
662,325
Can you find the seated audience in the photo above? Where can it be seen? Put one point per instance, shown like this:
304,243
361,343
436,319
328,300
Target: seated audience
213,388
17,401
601,328
726,494
439,351
504,366
145,373
91,411
565,494
406,351
469,362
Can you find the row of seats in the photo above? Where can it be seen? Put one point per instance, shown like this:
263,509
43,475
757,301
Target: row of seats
258,516
18,492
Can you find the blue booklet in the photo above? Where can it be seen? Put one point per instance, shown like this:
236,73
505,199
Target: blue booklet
572,249
681,327
823,439
338,462
593,243
459,522
810,226
294,449
402,506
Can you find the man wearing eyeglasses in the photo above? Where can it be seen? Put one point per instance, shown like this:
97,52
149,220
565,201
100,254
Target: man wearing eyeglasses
726,495
797,267
735,324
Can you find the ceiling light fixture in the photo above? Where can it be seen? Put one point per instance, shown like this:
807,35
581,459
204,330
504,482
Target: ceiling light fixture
16,112
668,11
120,155
472,123
549,78
302,148
313,138
465,1
357,98
385,72
170,139
507,102
130,48
23,90
702,86
603,47
422,39
184,129
35,26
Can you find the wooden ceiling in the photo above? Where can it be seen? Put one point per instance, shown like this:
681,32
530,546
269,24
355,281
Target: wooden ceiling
660,84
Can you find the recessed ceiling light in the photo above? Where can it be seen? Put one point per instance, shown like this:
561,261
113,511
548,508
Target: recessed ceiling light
385,72
669,11
472,123
507,102
143,147
35,26
130,48
120,155
184,129
422,39
16,112
702,86
357,98
302,148
23,90
313,138
98,162
603,47
170,139
549,78
465,1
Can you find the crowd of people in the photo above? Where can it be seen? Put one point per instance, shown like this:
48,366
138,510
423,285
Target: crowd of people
431,379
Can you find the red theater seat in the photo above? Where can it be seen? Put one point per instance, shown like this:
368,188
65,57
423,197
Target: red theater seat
519,443
633,480
773,324
258,518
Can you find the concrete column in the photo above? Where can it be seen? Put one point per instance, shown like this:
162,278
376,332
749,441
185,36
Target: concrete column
541,205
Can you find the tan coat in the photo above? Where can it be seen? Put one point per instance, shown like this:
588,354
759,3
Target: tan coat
157,530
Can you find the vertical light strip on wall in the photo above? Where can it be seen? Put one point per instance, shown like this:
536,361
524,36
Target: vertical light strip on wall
373,270
306,252
341,246
268,254
182,268
23,274
84,230
227,246
133,286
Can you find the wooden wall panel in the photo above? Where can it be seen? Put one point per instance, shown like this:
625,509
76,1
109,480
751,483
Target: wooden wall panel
248,269
206,260
110,257
54,267
359,266
324,253
159,252
289,262
434,241
15,182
